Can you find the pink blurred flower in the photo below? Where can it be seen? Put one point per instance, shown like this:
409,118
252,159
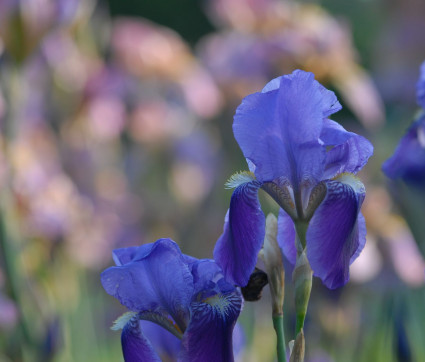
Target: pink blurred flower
157,121
159,55
150,50
245,15
106,117
406,257
201,94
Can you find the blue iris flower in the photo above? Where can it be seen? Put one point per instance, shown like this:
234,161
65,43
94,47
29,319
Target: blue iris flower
306,162
408,160
186,296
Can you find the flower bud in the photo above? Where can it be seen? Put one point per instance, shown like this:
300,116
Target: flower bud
272,258
302,277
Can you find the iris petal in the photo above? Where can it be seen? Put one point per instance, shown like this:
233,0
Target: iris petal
210,331
333,133
351,156
408,160
237,248
206,272
135,347
361,224
336,234
124,255
286,236
259,137
278,130
166,344
330,102
157,279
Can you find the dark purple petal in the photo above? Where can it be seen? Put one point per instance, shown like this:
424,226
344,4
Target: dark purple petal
157,279
420,87
286,236
210,331
408,160
135,347
278,131
336,234
237,248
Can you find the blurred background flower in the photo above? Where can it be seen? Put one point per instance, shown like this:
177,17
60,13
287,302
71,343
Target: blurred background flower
116,131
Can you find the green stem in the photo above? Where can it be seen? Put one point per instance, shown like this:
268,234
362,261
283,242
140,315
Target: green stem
280,333
301,229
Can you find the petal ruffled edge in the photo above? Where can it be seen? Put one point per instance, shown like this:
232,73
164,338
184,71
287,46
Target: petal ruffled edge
330,102
336,233
237,248
350,152
124,255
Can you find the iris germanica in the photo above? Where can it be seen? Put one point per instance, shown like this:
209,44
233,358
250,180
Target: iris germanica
306,162
408,160
186,296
